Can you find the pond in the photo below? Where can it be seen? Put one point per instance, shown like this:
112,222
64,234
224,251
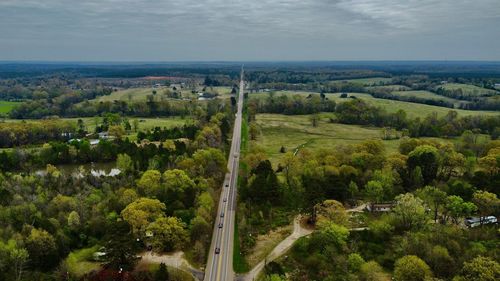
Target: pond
107,169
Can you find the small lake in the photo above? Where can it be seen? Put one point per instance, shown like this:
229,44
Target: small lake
107,169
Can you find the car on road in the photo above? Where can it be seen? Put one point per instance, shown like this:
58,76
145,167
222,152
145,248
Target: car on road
227,185
224,200
220,225
236,155
222,214
217,251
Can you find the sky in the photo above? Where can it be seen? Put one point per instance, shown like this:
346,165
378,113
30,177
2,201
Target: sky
249,30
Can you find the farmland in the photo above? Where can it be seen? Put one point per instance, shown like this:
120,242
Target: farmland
469,89
295,131
412,109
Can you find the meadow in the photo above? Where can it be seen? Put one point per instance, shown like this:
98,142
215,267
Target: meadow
296,131
413,110
425,95
468,89
7,106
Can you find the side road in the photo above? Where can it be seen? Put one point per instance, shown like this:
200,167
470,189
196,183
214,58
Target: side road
298,232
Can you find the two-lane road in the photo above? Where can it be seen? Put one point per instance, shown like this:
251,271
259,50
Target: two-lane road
220,258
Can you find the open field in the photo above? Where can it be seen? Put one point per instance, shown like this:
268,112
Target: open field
391,87
412,109
468,89
293,131
7,106
424,95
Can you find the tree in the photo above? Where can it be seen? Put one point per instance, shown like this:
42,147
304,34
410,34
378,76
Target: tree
331,211
355,261
374,191
314,118
427,158
409,211
120,248
168,234
253,131
42,249
74,220
140,213
433,197
457,208
117,131
335,234
411,268
372,271
150,182
480,269
162,273
177,180
487,203
124,163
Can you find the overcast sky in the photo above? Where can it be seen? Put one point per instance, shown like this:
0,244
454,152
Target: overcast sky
178,30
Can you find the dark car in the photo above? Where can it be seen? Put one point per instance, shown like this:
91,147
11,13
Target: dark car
224,200
220,225
217,250
222,215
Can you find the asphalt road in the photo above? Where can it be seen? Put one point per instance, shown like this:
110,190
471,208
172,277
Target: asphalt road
220,257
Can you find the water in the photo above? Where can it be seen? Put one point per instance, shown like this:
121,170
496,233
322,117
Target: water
107,169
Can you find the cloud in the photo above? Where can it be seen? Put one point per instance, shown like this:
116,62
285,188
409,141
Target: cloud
168,29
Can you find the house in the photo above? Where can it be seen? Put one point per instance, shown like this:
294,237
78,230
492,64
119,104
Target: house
379,207
497,85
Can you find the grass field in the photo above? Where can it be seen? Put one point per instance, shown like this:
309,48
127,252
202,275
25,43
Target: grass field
468,89
424,95
296,131
7,106
80,262
412,109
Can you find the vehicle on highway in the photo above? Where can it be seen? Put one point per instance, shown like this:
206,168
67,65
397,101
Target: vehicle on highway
220,225
224,200
222,214
227,185
217,251
235,155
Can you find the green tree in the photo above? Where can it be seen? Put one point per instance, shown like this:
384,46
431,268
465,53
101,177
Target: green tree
427,158
42,249
372,271
480,269
456,208
334,234
150,182
140,213
433,197
120,248
409,211
411,268
74,220
168,234
374,191
487,203
355,261
124,163
331,211
117,131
